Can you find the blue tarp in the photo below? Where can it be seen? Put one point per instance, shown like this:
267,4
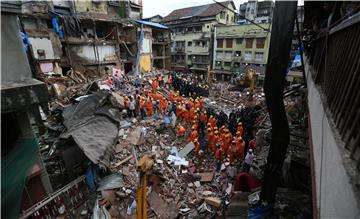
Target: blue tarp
153,24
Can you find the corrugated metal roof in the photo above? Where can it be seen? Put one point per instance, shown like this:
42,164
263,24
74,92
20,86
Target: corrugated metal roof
153,24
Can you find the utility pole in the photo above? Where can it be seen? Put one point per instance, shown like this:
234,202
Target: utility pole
279,52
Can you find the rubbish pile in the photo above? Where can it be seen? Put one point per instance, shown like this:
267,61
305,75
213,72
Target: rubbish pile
181,183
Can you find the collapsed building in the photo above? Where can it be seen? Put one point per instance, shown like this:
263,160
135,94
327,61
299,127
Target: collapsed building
86,159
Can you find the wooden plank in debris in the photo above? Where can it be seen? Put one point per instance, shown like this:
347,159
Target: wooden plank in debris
123,161
206,176
213,201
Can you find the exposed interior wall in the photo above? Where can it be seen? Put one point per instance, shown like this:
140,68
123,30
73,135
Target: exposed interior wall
334,194
105,52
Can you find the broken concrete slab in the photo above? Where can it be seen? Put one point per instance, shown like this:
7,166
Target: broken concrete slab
206,176
161,208
186,150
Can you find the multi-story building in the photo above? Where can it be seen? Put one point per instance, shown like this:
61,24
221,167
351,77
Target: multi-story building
259,12
239,45
192,33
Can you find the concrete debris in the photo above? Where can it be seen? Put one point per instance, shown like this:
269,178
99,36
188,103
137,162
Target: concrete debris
213,201
112,181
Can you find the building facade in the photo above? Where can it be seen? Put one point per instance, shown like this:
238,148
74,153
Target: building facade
259,12
239,45
192,30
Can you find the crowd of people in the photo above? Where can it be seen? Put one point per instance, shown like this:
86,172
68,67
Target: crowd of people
223,137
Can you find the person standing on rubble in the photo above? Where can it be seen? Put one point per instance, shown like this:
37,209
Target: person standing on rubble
137,104
132,107
248,161
142,107
154,85
149,107
218,156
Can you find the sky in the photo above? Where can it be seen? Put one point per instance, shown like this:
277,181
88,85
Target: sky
164,7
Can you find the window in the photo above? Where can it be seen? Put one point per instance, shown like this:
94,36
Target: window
227,64
259,56
236,64
249,42
260,42
237,53
228,54
218,64
189,43
229,43
239,40
207,26
248,56
197,43
227,17
222,15
197,28
219,54
189,29
189,57
220,43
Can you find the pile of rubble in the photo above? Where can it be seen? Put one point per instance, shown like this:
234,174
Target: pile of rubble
180,182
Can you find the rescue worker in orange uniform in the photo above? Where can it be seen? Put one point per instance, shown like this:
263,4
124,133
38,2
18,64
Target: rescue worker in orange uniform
218,156
154,85
163,104
240,129
194,134
186,116
126,103
149,106
142,107
201,103
210,137
197,146
181,130
216,140
226,143
233,152
204,117
212,121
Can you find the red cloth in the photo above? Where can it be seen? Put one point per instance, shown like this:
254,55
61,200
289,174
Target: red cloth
245,182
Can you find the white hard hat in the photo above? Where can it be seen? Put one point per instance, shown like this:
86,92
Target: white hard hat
250,150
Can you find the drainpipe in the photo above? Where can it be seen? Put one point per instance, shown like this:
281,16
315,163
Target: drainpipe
214,51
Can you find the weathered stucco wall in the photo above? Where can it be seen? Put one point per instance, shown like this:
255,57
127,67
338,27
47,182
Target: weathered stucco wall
334,193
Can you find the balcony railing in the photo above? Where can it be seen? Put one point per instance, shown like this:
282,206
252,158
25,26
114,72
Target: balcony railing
335,59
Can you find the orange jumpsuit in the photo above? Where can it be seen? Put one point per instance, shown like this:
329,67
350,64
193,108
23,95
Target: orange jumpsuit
233,152
149,107
181,130
186,115
201,103
204,117
154,85
241,130
194,135
212,121
163,104
197,147
210,137
216,140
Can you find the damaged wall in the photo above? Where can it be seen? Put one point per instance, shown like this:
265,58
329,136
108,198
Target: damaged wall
90,54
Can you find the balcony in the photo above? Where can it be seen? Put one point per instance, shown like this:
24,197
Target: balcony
178,50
